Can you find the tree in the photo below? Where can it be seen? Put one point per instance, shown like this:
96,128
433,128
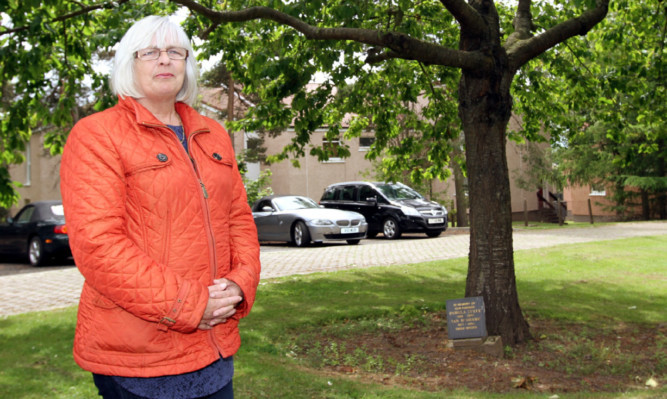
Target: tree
609,88
389,32
431,40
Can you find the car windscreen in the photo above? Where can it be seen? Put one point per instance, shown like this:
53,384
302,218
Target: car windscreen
398,192
292,203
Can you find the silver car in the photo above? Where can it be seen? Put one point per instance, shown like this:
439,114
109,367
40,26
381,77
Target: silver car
300,220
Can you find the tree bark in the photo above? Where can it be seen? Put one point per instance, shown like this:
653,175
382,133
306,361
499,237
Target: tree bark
485,107
491,261
461,198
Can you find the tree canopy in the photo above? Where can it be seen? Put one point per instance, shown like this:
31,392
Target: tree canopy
613,100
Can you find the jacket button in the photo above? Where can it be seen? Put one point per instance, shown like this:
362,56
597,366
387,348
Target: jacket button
217,156
162,157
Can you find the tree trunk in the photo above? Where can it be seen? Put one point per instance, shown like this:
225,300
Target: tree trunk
646,210
485,109
461,200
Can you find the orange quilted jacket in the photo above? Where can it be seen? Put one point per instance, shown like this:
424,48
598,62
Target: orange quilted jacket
150,228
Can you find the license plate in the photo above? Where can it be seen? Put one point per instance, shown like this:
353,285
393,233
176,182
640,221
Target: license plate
436,220
349,230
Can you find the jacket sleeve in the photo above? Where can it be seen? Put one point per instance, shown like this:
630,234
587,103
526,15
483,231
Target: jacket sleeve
93,191
245,268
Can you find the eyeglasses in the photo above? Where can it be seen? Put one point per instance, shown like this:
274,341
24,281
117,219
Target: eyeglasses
150,54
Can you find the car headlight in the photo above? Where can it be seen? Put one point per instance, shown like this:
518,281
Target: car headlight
408,211
321,222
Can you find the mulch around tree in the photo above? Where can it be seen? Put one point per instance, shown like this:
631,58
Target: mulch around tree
560,358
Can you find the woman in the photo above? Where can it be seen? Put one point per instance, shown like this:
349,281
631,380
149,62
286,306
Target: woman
160,229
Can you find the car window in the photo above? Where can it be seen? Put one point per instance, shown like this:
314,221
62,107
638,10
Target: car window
332,194
292,203
328,194
262,204
366,192
348,193
398,192
57,210
25,215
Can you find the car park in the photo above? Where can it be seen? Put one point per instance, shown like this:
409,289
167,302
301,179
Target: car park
36,234
389,208
300,220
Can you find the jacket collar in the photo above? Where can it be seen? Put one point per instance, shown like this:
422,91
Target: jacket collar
192,120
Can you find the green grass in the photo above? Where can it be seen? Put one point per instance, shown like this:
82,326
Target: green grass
520,225
596,285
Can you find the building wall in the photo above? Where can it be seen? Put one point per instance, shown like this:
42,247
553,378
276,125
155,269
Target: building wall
39,174
313,176
521,199
577,198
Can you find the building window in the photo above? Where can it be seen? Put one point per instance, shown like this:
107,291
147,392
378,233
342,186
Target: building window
365,143
598,191
332,147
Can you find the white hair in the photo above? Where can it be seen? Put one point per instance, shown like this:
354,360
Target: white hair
142,35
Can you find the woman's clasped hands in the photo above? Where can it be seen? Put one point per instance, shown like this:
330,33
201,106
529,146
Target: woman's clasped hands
224,297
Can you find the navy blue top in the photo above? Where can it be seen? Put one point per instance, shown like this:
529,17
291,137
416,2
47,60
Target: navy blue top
195,384
180,133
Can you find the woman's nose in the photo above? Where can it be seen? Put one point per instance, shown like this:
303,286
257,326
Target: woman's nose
164,58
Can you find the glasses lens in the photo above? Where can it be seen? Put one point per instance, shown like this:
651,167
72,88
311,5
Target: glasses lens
177,53
149,54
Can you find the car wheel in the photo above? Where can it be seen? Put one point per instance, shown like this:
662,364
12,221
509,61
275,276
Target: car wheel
433,233
390,229
353,242
300,234
35,252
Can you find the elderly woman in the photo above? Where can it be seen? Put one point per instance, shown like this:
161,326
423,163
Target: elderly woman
160,229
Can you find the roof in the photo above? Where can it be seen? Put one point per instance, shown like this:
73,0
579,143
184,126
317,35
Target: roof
217,98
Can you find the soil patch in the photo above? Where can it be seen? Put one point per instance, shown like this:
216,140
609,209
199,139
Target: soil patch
561,358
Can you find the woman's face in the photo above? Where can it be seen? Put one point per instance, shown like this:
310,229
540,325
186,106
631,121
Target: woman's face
160,79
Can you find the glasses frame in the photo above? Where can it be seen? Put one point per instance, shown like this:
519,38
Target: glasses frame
160,51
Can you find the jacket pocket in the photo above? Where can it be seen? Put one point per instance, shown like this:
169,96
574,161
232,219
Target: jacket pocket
161,160
101,301
220,158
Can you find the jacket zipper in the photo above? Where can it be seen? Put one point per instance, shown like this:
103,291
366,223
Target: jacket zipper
204,197
211,238
205,204
207,217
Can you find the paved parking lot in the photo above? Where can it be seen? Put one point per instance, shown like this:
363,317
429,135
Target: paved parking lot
60,287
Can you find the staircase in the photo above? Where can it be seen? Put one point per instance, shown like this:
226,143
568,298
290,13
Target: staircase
548,213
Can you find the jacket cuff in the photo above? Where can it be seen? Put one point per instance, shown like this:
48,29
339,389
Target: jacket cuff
184,313
247,287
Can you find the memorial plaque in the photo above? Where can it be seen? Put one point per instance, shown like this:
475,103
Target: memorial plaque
466,318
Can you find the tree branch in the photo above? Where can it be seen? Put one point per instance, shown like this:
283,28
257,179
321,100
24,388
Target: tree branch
83,10
401,45
523,24
467,16
523,51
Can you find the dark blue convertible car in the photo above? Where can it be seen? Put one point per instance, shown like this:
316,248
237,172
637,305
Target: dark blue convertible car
37,234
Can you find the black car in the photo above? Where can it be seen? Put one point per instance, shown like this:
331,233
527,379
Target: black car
389,208
37,233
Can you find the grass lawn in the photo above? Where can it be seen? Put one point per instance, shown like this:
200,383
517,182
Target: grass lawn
570,293
551,226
